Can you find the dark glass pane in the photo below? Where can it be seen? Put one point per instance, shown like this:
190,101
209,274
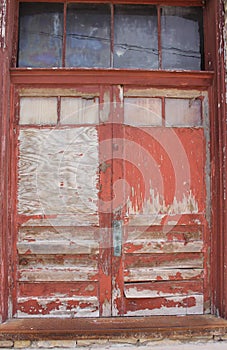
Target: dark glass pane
40,35
88,35
135,37
181,37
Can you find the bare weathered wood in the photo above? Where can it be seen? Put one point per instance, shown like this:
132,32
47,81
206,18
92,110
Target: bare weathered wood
58,172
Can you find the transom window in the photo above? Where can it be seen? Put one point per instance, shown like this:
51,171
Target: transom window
110,36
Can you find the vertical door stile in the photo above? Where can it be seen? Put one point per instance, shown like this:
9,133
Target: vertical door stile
105,200
119,201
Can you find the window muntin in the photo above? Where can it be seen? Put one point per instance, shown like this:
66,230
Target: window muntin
110,36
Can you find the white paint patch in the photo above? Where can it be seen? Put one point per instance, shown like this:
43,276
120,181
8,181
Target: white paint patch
154,205
3,24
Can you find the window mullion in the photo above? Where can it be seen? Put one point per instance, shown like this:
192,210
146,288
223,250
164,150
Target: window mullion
159,37
64,36
112,37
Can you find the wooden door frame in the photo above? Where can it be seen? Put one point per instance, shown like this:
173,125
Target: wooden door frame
214,61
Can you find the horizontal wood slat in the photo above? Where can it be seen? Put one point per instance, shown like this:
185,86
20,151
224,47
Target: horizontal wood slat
163,289
174,305
52,289
58,307
161,274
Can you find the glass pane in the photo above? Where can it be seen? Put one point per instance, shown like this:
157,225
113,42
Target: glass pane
88,35
181,37
135,37
40,35
183,112
143,111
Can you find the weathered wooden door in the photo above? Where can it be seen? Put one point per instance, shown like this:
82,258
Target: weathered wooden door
111,211
160,228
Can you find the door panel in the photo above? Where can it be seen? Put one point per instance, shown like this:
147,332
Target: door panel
163,263
112,214
59,241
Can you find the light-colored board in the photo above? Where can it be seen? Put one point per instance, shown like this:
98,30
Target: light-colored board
58,247
58,172
38,110
78,110
183,112
55,233
143,111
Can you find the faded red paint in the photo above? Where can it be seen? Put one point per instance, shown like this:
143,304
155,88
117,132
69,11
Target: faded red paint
198,191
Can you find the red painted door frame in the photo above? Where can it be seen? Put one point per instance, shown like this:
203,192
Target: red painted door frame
214,62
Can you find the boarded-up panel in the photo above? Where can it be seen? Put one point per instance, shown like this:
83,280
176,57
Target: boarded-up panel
183,112
78,110
143,111
58,172
38,110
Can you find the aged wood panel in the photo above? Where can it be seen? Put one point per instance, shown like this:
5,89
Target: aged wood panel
58,172
38,110
78,110
162,289
175,305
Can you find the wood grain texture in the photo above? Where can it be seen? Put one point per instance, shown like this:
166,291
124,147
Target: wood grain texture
58,172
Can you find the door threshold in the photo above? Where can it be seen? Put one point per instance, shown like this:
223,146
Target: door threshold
155,327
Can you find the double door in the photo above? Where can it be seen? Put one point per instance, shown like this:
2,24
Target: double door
112,193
